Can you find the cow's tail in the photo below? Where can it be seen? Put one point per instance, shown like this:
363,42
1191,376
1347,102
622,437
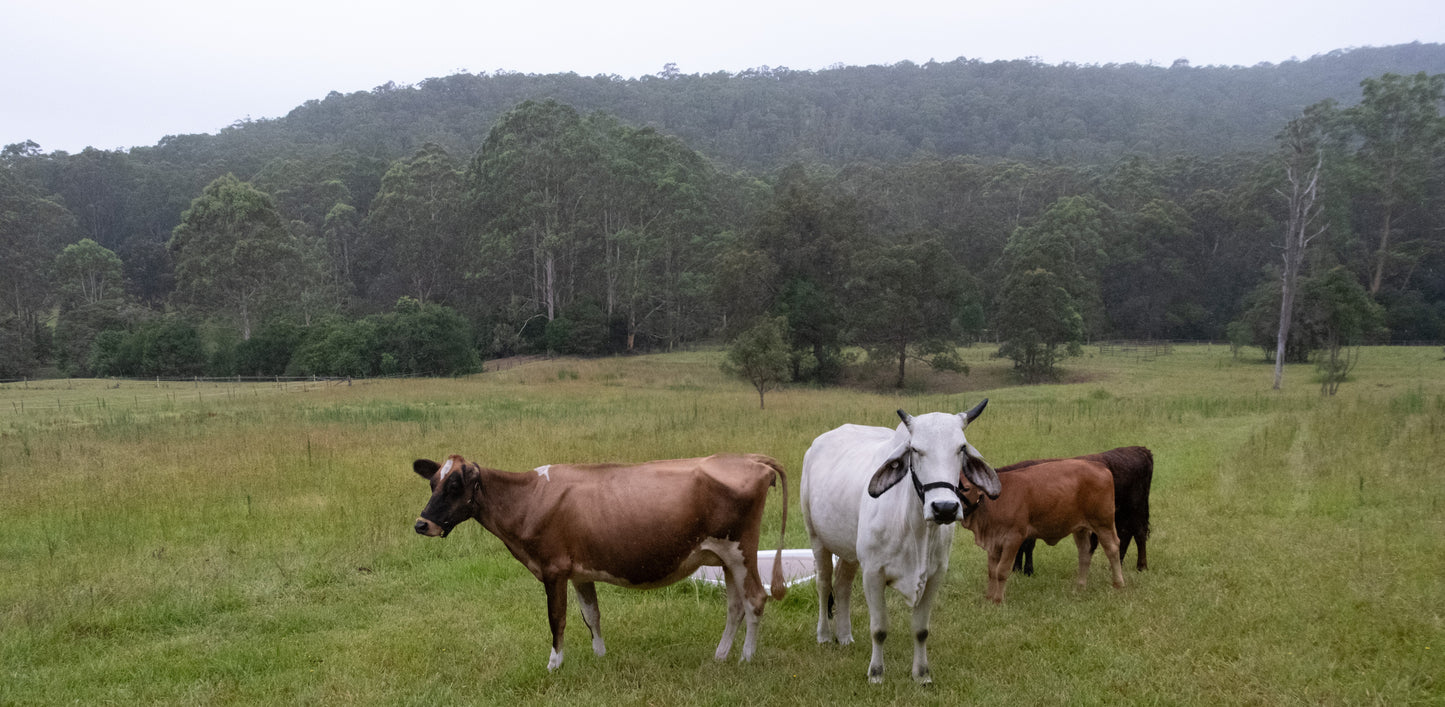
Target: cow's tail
778,586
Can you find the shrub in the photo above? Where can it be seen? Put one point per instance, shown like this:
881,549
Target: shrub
165,347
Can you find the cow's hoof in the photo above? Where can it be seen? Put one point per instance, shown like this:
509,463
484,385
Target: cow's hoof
924,677
875,674
555,661
845,640
599,648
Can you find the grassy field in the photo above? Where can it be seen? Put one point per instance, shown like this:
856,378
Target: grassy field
243,544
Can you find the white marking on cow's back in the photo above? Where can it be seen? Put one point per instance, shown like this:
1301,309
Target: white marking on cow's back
542,471
446,468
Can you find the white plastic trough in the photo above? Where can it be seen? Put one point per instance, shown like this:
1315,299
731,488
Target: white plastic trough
797,567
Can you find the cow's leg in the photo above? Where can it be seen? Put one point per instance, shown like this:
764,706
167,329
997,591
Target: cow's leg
1110,541
1000,566
1024,559
995,556
750,592
843,591
1086,555
733,588
1124,539
823,564
745,600
921,613
591,614
556,617
1143,563
873,586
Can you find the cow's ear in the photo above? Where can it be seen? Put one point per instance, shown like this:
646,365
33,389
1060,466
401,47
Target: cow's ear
893,470
979,473
425,468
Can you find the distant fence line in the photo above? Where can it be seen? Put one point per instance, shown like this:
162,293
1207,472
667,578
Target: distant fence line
1136,349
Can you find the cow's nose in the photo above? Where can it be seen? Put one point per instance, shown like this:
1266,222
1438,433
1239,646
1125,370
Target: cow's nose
945,511
421,527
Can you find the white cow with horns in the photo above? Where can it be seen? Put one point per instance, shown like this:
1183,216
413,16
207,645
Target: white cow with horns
855,507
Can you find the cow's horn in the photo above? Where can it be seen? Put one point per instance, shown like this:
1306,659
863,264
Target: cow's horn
906,418
977,410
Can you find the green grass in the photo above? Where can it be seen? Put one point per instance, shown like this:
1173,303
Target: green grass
252,543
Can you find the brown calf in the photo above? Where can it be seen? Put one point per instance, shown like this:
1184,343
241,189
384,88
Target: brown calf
1133,470
1047,501
641,526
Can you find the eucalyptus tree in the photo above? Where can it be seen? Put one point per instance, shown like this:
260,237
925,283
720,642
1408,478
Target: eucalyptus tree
810,235
92,300
413,240
88,272
529,186
571,209
1067,240
1303,166
235,260
33,229
1401,142
656,223
1037,323
907,300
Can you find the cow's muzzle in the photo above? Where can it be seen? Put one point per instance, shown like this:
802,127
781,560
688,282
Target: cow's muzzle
944,512
429,529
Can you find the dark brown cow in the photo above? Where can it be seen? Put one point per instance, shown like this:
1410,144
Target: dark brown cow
1047,501
1133,470
641,526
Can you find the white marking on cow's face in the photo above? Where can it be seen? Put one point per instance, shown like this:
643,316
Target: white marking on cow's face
442,475
542,471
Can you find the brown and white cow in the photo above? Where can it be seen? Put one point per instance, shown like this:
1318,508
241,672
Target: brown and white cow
640,526
1047,501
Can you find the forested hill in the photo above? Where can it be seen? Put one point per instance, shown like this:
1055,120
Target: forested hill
902,209
765,118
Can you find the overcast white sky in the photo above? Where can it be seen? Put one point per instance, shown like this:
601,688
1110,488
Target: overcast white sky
122,73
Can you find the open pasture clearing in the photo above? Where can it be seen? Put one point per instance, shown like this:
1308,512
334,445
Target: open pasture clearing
255,545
